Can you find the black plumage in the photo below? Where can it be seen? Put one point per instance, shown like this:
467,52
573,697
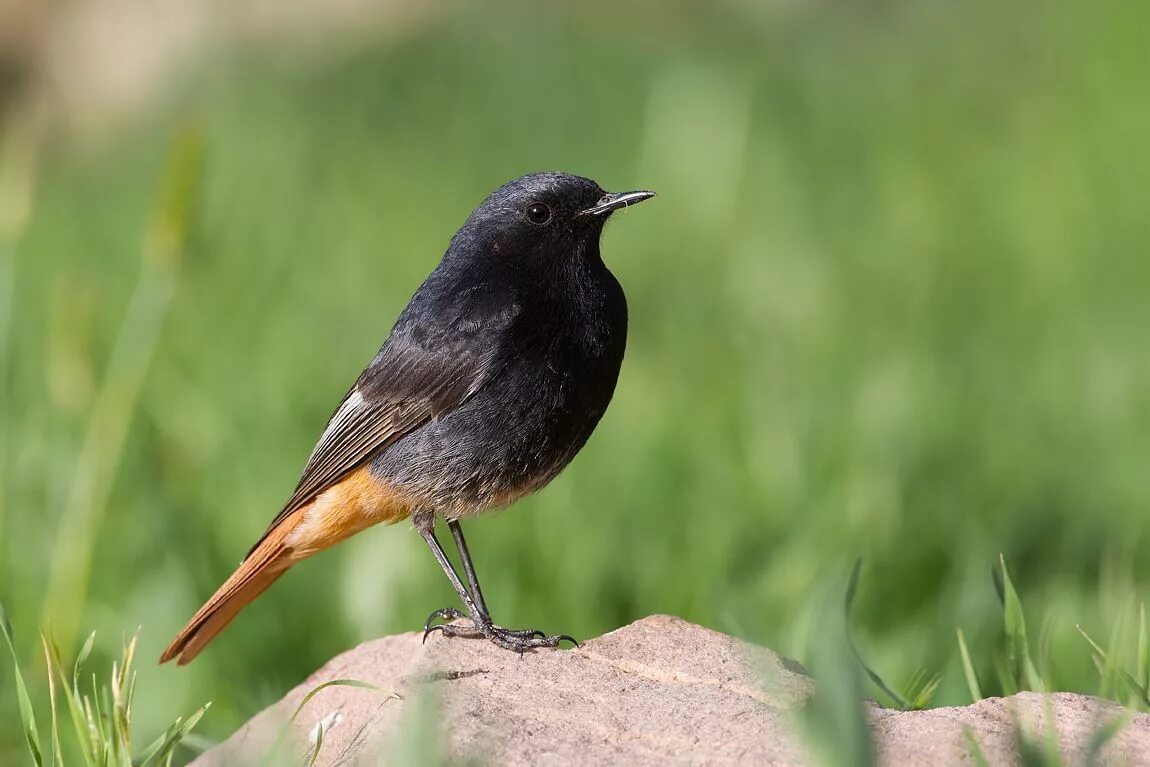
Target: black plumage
491,380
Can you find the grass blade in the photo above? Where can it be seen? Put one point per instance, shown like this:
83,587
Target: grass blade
163,747
27,714
318,745
340,683
835,724
97,722
852,589
920,698
1050,745
1108,669
81,658
999,588
57,756
20,149
1143,651
1021,668
1029,752
1102,656
1103,736
968,669
275,747
976,753
115,406
85,735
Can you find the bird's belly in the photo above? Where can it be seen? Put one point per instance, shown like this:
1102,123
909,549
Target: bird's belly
510,439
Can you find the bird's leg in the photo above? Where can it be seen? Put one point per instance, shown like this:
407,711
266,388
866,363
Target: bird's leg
468,568
509,639
473,582
425,524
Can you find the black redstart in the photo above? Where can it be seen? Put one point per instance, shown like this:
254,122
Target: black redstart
492,379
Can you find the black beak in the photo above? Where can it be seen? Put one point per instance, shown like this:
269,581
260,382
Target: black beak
613,201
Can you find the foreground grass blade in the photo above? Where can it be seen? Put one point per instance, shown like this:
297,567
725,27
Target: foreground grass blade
116,401
20,149
976,753
340,683
1106,667
318,745
102,719
163,748
921,688
1023,674
27,715
1143,654
275,747
86,735
1031,754
1103,736
57,754
968,669
852,588
835,721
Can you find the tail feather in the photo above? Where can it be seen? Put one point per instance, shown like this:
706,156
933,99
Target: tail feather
262,567
356,502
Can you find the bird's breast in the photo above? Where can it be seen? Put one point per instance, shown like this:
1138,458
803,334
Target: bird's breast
555,377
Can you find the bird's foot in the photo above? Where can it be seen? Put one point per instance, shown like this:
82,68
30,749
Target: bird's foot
517,640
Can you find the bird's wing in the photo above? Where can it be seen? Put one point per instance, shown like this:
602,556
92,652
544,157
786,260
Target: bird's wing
364,423
408,383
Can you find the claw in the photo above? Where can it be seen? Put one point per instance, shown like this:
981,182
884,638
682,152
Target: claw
518,640
427,631
447,613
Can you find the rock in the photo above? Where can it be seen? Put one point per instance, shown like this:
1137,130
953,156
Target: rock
658,691
937,736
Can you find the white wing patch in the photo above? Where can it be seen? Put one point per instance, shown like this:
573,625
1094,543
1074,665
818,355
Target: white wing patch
347,410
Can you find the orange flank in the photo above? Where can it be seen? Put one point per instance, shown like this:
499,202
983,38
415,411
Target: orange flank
355,503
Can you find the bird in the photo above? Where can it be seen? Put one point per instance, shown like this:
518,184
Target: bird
491,380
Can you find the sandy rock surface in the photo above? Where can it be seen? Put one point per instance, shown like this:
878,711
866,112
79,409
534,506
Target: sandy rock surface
659,691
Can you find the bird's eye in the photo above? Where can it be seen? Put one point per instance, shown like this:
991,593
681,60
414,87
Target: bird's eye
538,213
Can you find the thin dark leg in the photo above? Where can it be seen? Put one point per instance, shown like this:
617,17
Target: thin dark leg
468,568
475,606
425,524
518,640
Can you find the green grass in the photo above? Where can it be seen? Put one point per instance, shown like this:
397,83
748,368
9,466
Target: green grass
837,726
100,717
889,303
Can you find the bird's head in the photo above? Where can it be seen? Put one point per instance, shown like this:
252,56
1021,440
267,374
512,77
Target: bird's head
542,220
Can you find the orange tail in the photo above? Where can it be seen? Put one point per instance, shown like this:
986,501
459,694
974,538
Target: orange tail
267,562
352,504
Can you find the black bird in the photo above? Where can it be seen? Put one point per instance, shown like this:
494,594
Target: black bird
492,379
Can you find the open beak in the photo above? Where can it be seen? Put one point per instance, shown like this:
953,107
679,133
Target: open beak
613,201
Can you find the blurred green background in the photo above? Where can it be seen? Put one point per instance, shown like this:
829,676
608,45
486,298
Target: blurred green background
891,302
